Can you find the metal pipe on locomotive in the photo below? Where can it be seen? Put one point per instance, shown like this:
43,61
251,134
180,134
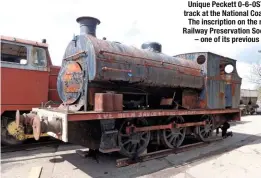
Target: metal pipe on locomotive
121,98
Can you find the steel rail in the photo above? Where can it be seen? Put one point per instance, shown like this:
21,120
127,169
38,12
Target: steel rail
162,153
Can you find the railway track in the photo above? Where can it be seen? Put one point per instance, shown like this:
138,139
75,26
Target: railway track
122,162
30,146
163,153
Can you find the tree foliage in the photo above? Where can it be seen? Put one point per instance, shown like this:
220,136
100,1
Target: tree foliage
256,74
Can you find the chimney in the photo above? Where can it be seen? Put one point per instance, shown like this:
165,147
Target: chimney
88,25
152,46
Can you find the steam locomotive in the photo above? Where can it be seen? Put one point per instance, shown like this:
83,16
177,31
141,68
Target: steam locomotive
122,98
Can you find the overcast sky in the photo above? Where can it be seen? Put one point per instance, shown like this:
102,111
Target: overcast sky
130,22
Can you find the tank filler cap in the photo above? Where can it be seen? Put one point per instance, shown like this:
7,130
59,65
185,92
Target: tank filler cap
152,46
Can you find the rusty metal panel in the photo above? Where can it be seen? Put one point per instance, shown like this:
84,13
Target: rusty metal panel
213,95
91,94
236,98
193,57
221,94
118,62
166,101
228,95
215,92
107,61
190,99
216,88
222,88
213,68
117,102
110,61
127,63
70,82
103,102
78,116
107,101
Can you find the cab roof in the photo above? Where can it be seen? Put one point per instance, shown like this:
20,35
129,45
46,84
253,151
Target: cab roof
23,41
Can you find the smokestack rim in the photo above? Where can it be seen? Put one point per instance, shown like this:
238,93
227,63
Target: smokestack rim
79,19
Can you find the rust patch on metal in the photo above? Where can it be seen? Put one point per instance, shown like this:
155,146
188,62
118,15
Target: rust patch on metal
220,78
78,116
108,102
133,128
233,88
115,70
190,99
221,94
103,102
73,68
117,102
166,101
76,55
72,79
73,88
91,94
181,68
202,103
189,124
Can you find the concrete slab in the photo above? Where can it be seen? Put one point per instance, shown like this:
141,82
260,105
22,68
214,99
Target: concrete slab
241,162
35,172
237,156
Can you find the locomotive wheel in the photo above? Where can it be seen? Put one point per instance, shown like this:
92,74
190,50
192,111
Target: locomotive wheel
173,138
206,131
133,144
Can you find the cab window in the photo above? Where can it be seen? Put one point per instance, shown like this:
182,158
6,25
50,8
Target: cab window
39,57
13,53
